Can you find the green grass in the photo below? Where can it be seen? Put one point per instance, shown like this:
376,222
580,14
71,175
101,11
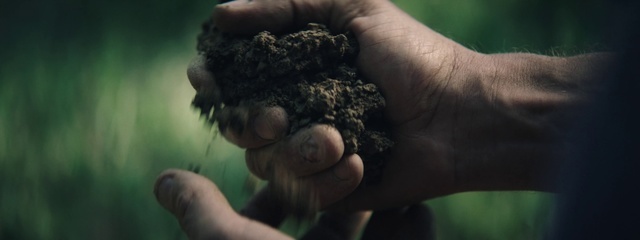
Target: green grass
94,103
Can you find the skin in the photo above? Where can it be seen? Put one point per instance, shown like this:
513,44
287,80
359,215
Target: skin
204,213
461,120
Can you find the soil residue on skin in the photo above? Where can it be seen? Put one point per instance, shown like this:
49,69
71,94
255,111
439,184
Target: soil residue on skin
310,73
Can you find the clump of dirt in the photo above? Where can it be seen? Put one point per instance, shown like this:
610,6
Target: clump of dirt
311,73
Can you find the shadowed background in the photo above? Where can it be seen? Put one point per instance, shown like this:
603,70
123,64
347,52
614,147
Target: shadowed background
94,103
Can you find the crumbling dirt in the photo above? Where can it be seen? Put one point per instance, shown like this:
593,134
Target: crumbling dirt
310,73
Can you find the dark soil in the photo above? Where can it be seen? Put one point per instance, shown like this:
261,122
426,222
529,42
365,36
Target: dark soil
310,73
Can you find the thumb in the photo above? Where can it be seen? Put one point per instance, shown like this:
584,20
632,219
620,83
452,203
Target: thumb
252,16
203,212
194,201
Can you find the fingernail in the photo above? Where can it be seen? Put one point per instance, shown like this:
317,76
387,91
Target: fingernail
309,149
164,186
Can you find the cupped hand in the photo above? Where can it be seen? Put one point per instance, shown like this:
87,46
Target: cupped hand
419,72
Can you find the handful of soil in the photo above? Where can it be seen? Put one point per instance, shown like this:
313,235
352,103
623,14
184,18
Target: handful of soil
310,73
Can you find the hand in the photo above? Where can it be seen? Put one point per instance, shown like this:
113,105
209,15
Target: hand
204,213
460,120
412,65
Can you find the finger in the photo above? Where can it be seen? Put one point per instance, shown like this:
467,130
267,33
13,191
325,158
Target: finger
208,95
252,16
265,208
252,127
249,17
303,197
413,222
337,226
199,77
196,202
307,152
337,182
203,212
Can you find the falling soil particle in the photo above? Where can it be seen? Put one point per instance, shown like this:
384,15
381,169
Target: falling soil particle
310,73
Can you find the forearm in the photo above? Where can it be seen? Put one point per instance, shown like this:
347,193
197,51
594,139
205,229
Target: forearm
520,108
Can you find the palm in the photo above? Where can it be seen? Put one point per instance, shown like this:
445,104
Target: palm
403,60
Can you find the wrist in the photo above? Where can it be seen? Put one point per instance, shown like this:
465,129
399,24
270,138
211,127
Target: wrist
510,121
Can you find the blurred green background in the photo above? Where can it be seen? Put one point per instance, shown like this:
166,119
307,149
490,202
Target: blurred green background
94,103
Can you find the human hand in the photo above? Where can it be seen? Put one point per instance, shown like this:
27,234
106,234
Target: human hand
204,213
417,71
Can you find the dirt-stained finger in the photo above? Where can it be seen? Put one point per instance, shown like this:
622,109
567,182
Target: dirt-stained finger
270,123
199,77
336,183
261,161
249,17
314,149
252,126
203,211
252,16
304,196
307,152
193,200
